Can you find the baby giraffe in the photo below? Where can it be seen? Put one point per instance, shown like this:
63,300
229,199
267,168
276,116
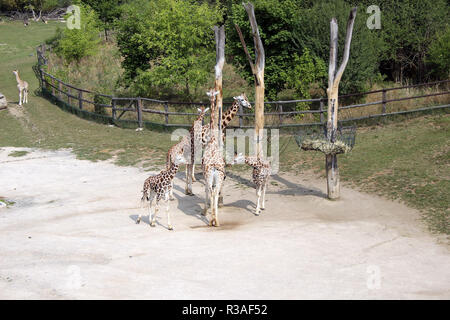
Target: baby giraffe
23,88
160,185
261,173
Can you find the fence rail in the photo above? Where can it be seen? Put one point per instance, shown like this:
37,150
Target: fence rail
85,100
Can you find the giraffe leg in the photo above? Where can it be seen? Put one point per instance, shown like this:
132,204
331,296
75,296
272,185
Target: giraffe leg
220,200
263,201
153,218
169,224
216,207
258,195
205,210
26,96
213,208
20,97
188,189
171,197
193,172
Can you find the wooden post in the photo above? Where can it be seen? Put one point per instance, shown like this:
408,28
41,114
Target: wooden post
241,112
258,72
384,100
166,116
69,100
219,34
113,109
321,110
80,99
139,111
53,86
60,90
280,113
334,77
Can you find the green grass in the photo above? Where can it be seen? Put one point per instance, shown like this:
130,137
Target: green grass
406,160
18,154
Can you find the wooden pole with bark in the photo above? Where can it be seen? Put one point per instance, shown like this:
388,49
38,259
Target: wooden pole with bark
258,72
334,77
219,33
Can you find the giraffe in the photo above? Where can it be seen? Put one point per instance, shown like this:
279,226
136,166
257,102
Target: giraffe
213,167
23,88
160,186
261,173
195,135
184,146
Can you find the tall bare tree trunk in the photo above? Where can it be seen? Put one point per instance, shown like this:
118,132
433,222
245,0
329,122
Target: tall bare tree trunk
334,77
258,72
220,61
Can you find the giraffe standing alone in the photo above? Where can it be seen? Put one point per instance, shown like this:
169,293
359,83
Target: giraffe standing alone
23,88
160,186
261,173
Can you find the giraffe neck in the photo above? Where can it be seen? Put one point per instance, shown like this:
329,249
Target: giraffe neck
229,114
18,78
251,161
173,170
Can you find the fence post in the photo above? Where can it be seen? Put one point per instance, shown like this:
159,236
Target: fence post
241,111
166,116
321,110
59,90
113,110
384,101
53,87
69,100
280,110
80,99
139,111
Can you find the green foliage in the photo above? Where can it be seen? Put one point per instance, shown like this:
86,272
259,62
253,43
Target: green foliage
312,31
37,5
407,29
167,45
275,20
306,70
439,55
75,44
107,10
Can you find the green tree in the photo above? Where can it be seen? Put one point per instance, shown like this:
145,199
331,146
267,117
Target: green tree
312,31
75,44
167,46
439,55
306,70
407,29
275,20
108,11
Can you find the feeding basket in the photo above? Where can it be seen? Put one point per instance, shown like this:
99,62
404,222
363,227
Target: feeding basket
316,139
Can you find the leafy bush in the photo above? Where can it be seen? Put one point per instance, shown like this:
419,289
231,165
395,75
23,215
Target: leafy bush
439,55
167,46
75,44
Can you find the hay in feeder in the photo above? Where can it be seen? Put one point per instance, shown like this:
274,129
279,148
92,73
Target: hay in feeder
325,146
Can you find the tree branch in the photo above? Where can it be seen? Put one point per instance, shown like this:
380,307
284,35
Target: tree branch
348,40
241,37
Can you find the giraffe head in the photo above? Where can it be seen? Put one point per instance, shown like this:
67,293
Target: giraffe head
16,72
179,159
238,158
202,110
211,93
243,101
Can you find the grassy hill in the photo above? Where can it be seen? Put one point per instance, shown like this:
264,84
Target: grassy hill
407,160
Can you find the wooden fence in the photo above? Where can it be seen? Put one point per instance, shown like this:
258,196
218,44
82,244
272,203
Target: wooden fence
285,114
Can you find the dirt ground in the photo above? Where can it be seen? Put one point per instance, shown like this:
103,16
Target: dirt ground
71,234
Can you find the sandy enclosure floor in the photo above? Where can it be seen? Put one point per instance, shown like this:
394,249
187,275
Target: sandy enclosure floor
72,234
